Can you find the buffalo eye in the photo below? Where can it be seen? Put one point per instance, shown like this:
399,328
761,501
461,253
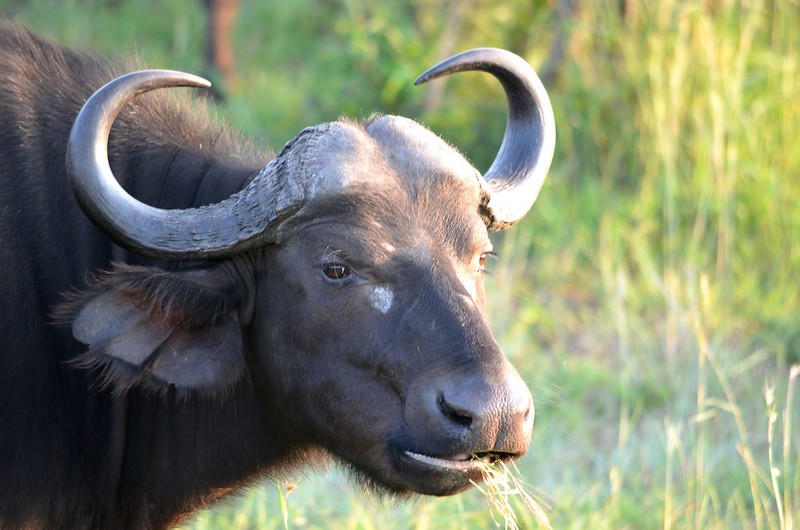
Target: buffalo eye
335,269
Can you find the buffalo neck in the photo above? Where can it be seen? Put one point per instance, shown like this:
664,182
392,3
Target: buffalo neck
179,453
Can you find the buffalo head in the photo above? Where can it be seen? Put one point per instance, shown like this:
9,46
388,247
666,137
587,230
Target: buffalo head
344,283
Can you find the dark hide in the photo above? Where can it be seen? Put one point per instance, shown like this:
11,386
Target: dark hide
68,457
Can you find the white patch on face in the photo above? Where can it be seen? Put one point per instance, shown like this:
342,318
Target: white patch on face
389,247
381,298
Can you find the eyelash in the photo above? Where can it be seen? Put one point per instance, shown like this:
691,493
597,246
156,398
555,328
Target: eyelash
335,268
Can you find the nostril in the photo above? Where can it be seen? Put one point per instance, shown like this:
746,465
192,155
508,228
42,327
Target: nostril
529,414
460,417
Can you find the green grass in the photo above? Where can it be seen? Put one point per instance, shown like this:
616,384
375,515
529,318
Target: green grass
651,299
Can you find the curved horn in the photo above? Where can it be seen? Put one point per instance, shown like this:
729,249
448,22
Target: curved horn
244,220
514,179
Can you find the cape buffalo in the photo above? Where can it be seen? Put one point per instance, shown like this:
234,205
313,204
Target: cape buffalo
234,319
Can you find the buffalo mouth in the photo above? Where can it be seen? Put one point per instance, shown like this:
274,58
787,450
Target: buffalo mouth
458,462
441,475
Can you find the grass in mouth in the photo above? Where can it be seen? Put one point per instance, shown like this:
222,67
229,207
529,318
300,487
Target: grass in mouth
506,492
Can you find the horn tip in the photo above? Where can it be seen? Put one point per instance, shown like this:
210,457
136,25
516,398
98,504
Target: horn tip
424,78
197,81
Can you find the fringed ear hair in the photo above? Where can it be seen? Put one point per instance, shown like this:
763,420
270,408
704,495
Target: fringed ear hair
160,329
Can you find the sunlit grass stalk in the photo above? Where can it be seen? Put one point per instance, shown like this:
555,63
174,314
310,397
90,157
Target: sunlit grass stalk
698,310
282,499
744,446
501,484
774,472
790,493
673,447
756,474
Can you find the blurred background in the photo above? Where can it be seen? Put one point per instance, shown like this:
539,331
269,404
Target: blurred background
652,297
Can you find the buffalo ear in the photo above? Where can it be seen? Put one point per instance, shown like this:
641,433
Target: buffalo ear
161,329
